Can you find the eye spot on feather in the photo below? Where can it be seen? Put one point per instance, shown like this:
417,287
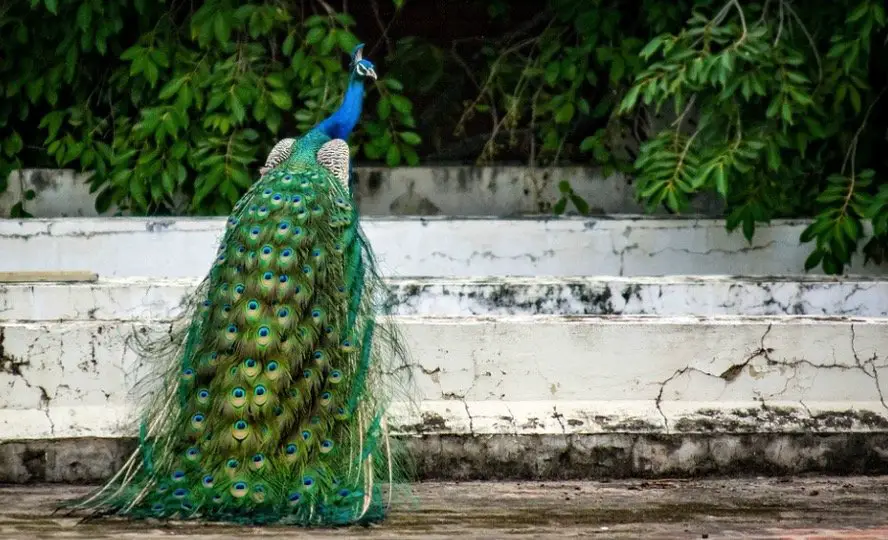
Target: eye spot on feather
335,376
293,498
187,374
277,197
231,464
267,192
326,446
266,250
238,489
197,421
207,481
284,278
257,462
306,435
231,332
272,367
240,430
178,475
306,270
306,374
158,508
203,396
308,481
238,397
260,396
192,454
226,308
180,493
258,494
163,487
344,493
239,289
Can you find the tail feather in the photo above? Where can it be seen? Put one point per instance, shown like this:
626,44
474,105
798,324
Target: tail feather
272,403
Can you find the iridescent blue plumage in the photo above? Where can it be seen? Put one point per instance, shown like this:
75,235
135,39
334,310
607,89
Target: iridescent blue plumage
340,124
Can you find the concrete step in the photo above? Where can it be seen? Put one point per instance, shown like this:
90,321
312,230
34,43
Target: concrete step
631,246
526,396
532,375
135,298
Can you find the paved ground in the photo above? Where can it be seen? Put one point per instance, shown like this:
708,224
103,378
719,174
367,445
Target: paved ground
849,507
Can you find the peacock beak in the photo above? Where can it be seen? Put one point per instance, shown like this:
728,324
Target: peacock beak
371,73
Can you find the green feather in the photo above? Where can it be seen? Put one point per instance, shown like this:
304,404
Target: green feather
278,374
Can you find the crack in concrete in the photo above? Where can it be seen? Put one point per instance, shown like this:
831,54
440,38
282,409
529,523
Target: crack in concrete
868,367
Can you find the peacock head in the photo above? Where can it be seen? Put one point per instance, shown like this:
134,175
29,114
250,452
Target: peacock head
361,67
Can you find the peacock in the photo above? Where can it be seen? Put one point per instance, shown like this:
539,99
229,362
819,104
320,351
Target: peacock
273,399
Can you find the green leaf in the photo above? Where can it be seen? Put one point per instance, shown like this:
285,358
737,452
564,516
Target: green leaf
560,207
84,16
410,138
171,88
721,180
813,259
281,100
222,28
52,6
588,144
314,35
564,114
580,203
384,108
393,156
401,104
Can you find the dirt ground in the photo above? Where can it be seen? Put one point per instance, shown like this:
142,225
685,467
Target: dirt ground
815,507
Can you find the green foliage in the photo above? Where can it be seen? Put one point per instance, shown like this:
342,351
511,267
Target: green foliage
174,105
774,106
787,118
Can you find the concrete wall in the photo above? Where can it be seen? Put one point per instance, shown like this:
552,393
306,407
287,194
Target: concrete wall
687,387
424,191
183,247
160,299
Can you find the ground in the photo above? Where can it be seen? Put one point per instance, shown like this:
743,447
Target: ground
790,508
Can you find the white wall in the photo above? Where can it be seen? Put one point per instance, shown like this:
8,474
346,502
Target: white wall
183,247
525,375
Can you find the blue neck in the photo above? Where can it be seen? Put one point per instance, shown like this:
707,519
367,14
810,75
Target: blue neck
340,124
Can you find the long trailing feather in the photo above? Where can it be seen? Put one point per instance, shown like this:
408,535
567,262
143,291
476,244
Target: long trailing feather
271,389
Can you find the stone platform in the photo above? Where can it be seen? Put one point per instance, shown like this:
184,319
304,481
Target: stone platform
785,508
